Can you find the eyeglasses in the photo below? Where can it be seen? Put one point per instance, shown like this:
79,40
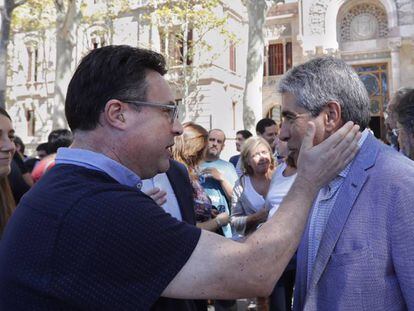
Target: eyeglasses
395,131
263,153
290,118
173,109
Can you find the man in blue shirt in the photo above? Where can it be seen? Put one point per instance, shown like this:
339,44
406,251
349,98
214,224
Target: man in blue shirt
219,175
85,237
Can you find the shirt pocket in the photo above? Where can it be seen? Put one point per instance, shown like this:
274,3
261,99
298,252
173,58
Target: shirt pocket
362,255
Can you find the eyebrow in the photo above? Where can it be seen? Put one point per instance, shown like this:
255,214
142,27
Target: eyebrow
287,113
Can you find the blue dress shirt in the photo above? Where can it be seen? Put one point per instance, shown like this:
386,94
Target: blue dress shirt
322,208
99,162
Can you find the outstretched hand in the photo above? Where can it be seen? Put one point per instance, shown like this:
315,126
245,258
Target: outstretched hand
319,164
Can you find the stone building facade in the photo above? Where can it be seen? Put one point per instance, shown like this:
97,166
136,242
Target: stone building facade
374,36
215,102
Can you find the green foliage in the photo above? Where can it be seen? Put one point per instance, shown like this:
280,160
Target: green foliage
200,16
41,14
34,15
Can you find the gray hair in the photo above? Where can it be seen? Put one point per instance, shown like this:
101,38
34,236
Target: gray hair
405,111
325,79
398,95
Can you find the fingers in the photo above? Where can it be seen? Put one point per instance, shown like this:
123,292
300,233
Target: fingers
152,191
319,164
214,212
158,195
347,148
336,138
307,141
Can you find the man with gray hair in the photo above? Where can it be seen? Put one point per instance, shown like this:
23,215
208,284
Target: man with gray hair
404,112
391,116
356,252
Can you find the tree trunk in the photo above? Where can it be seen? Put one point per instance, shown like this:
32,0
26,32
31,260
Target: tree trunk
186,84
65,42
252,100
6,11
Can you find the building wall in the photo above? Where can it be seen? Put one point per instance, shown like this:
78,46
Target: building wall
313,27
217,97
360,32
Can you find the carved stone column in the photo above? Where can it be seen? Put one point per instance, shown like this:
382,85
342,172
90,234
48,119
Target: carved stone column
395,46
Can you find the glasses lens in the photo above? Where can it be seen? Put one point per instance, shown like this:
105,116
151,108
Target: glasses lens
175,112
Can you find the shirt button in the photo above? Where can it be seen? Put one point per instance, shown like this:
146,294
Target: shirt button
139,185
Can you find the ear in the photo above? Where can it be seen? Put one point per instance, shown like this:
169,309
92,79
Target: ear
333,119
114,114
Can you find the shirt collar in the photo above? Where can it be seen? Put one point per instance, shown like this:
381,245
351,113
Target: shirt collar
99,162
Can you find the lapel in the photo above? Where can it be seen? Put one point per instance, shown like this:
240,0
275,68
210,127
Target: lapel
349,191
181,186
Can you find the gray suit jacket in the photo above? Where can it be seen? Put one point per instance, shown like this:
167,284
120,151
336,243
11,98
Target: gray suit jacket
366,257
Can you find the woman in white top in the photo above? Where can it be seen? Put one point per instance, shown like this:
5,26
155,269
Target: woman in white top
248,201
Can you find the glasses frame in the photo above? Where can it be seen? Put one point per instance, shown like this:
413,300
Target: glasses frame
290,118
173,107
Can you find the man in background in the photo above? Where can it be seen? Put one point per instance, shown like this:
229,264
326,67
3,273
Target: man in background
404,112
219,175
241,136
268,129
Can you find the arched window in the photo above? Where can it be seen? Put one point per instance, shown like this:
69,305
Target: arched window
98,37
363,22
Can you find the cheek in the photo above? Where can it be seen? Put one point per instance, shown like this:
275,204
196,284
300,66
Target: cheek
297,133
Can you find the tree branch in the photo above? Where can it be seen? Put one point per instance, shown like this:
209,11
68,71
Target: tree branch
19,3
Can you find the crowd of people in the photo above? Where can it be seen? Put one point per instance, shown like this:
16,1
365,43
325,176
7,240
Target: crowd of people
132,210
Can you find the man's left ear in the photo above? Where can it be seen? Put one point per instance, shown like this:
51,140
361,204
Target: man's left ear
333,119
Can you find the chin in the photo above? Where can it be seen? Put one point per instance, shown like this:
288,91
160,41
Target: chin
4,171
164,166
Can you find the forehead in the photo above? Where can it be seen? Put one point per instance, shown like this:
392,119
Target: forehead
260,146
290,106
5,124
239,136
158,90
216,135
270,129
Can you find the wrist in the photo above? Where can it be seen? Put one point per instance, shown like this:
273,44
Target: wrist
305,185
218,222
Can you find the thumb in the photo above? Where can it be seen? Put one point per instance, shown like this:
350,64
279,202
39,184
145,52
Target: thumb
307,141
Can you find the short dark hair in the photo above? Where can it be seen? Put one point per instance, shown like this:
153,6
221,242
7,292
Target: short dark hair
405,111
18,141
59,138
245,133
263,123
110,72
44,147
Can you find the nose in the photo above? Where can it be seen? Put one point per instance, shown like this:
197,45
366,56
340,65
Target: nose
7,145
284,132
177,127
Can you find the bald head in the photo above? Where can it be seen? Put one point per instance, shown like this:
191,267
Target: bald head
215,144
